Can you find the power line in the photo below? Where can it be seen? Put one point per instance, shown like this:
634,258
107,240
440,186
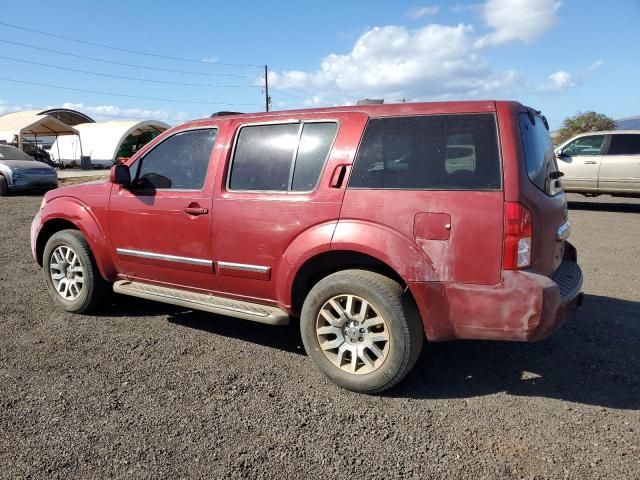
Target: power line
131,65
289,79
282,92
127,78
136,52
98,92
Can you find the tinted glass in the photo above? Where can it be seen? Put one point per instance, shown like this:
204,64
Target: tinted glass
8,152
179,162
263,156
622,144
315,142
588,146
443,152
538,154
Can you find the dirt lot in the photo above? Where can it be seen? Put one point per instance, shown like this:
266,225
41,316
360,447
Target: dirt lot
143,390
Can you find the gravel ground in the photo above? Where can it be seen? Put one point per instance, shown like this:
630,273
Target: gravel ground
143,390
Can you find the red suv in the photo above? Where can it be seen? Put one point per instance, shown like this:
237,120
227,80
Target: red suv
374,225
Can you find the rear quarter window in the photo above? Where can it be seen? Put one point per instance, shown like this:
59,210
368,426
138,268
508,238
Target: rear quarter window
431,152
624,144
538,153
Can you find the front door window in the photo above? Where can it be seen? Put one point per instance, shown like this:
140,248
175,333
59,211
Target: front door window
582,146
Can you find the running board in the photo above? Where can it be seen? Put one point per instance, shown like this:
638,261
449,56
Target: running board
201,301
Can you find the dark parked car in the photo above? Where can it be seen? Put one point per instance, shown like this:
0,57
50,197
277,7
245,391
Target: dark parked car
20,172
375,225
37,153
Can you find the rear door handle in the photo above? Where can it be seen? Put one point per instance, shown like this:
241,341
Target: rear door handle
590,162
196,210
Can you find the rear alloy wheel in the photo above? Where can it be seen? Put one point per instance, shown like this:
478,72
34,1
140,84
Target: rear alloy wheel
352,334
71,273
361,330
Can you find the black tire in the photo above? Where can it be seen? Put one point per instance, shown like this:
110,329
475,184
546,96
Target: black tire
4,188
94,291
403,322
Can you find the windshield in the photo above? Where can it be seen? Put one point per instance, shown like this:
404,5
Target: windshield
8,152
538,154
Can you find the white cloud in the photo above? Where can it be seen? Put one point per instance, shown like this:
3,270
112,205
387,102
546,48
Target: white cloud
559,81
517,20
104,112
394,62
562,80
419,12
466,7
595,65
6,107
209,60
111,111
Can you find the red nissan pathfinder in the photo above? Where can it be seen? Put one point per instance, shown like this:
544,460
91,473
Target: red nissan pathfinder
376,226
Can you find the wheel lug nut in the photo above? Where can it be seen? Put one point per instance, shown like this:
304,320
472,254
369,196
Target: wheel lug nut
362,330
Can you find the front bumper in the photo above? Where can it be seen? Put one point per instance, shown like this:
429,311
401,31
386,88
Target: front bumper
36,225
34,182
524,306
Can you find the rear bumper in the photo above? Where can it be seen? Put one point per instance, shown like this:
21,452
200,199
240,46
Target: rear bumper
524,306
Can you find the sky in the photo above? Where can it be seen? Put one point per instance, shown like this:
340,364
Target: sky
175,61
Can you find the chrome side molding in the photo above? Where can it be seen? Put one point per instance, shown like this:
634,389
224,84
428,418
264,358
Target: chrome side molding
165,257
244,267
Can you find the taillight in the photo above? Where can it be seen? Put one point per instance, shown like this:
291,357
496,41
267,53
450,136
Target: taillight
518,230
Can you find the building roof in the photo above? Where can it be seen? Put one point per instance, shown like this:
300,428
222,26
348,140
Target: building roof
31,122
101,140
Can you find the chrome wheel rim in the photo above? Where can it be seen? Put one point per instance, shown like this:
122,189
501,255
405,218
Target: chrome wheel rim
67,273
352,334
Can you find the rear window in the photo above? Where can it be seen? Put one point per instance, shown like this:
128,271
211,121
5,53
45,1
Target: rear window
538,153
434,152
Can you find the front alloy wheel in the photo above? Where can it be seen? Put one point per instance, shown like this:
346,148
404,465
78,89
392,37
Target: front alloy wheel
67,273
70,271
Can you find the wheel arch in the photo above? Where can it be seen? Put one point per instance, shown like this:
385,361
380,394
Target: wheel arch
323,264
74,216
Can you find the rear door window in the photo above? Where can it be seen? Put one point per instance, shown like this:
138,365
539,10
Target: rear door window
538,153
281,157
431,152
624,144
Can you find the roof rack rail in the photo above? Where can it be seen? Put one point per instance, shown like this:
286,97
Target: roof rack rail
224,113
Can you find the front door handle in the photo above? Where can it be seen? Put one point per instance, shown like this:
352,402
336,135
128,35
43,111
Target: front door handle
196,210
590,162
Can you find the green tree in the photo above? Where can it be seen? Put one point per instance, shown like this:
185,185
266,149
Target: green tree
581,123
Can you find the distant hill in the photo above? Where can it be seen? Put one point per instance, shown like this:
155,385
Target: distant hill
629,123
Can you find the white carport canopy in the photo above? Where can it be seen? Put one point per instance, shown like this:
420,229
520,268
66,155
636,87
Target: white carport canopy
14,126
102,140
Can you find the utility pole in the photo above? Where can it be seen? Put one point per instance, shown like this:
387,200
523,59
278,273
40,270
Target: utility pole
267,98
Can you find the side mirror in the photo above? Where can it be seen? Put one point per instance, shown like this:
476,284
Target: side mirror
120,175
